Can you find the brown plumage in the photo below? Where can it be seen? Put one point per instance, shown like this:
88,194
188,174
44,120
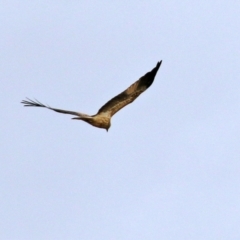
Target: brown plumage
103,118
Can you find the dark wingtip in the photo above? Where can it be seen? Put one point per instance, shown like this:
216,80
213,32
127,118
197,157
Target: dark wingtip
27,102
158,65
155,70
31,103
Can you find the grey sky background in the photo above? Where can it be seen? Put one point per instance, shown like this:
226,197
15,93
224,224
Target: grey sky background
169,167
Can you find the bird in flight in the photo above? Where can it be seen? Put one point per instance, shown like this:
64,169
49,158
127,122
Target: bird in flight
103,117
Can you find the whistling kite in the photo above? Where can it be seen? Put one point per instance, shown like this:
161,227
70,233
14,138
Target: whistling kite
103,118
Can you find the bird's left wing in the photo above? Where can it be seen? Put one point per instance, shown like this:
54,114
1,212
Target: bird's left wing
130,94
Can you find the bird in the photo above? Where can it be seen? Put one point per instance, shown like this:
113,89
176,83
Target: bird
103,117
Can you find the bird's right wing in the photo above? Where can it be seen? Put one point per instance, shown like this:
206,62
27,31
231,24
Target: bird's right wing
31,103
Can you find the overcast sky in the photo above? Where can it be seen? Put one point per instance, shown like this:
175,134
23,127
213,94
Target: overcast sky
169,167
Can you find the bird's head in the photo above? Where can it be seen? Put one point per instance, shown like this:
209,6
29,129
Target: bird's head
109,125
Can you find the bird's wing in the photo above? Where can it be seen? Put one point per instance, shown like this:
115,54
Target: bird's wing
31,103
130,94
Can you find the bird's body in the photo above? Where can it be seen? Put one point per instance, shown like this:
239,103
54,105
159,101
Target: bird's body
98,120
103,118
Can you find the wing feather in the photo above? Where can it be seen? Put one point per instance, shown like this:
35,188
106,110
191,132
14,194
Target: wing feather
130,94
36,103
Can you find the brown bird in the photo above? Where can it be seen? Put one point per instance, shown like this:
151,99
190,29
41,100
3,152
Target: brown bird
103,118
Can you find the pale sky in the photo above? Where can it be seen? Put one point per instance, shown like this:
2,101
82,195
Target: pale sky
169,167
